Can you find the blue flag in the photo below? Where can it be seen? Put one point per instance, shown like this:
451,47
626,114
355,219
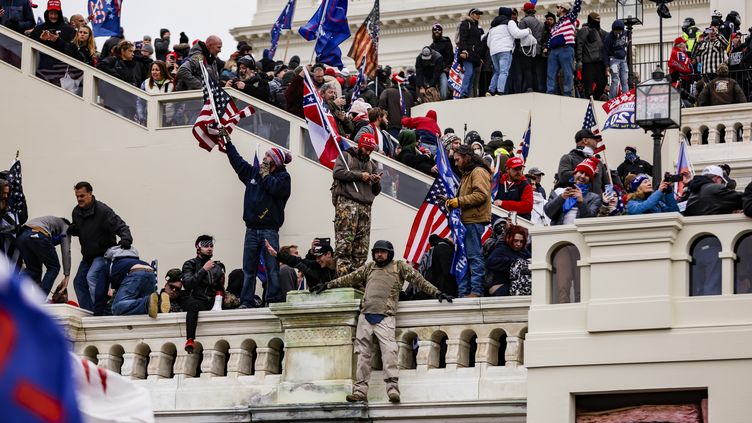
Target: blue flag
451,185
105,17
525,144
329,27
36,376
284,21
261,268
359,81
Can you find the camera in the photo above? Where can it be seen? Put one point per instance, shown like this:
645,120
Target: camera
668,177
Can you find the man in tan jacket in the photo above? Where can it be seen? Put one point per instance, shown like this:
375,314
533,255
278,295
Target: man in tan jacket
356,183
383,279
474,201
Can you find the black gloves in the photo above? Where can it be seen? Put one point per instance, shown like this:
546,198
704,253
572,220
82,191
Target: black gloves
72,230
442,296
318,289
125,244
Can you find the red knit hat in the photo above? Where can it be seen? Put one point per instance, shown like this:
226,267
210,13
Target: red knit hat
54,5
397,79
367,142
679,40
528,6
589,166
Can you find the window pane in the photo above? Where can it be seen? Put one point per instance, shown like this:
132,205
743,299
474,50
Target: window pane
59,73
705,270
565,275
180,112
117,100
266,125
743,266
10,51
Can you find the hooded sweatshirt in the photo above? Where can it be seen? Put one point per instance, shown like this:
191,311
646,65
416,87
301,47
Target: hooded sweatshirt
503,32
427,123
18,16
615,45
66,32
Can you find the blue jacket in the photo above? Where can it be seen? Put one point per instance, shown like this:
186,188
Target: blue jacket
118,269
658,202
615,46
265,198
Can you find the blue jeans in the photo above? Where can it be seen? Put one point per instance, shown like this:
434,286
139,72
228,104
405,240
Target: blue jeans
476,267
560,58
501,63
37,251
252,248
91,286
619,74
467,80
444,86
133,295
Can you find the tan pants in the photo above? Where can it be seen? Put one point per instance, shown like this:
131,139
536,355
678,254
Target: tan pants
384,331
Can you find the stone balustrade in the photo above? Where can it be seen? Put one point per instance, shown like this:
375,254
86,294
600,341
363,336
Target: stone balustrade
300,352
717,124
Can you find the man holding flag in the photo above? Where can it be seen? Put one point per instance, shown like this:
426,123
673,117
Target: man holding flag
474,201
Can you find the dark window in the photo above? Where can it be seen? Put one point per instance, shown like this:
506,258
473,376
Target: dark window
743,266
705,267
565,279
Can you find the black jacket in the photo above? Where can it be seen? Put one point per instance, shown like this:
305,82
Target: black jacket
706,198
96,228
747,200
469,40
569,161
109,44
428,72
313,273
161,48
128,71
498,263
444,46
80,53
257,87
66,32
637,167
419,162
198,282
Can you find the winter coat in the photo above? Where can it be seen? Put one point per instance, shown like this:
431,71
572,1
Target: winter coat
499,262
428,72
502,34
80,53
294,97
517,196
384,141
722,90
420,162
66,32
637,167
591,204
345,180
679,65
258,88
265,197
569,161
128,71
536,30
747,200
161,48
109,45
96,228
189,74
590,43
389,100
310,268
615,46
198,282
428,123
657,202
474,196
19,16
469,40
707,197
443,46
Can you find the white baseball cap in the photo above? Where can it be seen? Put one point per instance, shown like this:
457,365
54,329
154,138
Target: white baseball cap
715,171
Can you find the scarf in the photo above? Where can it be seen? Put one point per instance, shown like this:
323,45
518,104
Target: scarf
571,202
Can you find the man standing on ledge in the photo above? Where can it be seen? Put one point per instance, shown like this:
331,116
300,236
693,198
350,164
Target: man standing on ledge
383,279
95,225
267,189
356,184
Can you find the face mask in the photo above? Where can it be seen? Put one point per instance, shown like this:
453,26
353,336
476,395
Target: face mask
631,156
477,151
588,151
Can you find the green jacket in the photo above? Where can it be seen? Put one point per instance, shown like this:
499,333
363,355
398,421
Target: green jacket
382,295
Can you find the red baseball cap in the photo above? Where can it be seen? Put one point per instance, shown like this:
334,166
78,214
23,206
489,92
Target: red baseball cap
54,5
514,163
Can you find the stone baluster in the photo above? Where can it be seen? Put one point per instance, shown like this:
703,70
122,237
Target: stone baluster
428,355
488,352
110,362
457,355
267,361
730,133
714,135
185,365
746,133
160,365
134,365
213,364
513,353
240,363
405,355
696,136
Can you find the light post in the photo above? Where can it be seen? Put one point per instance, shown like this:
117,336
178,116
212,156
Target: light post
657,108
630,12
663,13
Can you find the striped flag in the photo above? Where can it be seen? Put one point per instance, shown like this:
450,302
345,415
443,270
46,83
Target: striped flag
284,21
322,128
359,81
590,123
455,76
525,144
366,41
683,166
216,103
452,187
431,219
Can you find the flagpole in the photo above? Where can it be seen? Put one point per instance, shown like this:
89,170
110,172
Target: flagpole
319,30
605,161
287,44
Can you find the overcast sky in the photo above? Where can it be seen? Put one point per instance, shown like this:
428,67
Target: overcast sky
197,19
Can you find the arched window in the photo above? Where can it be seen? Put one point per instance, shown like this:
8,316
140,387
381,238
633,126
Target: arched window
705,268
565,286
743,266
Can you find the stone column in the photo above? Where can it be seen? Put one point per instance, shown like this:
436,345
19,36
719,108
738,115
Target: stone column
240,362
714,135
267,360
319,364
110,362
513,353
488,350
428,355
185,365
730,133
213,363
134,365
457,355
160,365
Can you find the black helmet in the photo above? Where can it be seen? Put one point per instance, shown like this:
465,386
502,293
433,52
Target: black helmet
247,61
386,246
688,23
473,136
733,16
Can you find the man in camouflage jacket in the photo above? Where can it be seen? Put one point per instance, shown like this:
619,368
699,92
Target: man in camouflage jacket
383,279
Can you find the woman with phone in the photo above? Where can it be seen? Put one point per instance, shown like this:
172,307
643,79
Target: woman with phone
644,199
574,199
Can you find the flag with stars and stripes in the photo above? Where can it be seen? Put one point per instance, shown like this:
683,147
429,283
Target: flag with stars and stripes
322,129
525,144
452,187
590,123
17,199
366,41
105,17
430,219
359,80
455,75
284,21
216,103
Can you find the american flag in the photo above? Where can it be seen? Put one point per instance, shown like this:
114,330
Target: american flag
431,219
524,149
366,41
456,75
359,81
17,200
206,129
590,123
